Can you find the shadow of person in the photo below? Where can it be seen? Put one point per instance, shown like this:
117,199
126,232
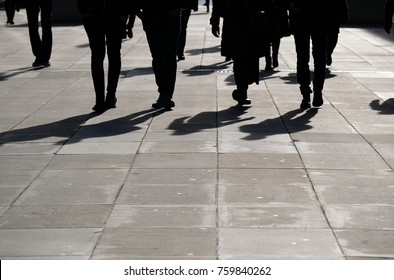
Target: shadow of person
208,120
215,49
15,72
74,127
384,108
207,69
290,122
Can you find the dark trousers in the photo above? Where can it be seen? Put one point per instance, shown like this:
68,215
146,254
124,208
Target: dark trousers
162,33
185,15
105,34
41,46
319,43
10,7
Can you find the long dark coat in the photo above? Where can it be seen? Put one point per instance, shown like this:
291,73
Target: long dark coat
240,31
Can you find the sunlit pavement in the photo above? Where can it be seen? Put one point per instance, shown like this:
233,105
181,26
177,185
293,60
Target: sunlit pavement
207,180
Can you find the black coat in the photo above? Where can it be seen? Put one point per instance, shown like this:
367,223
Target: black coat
111,7
317,16
240,29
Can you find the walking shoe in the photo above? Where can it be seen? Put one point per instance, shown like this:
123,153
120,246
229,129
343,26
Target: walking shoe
242,99
110,102
317,99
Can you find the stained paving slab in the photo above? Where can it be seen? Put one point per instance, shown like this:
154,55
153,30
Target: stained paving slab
207,180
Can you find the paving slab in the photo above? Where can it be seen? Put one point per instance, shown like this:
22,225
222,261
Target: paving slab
281,244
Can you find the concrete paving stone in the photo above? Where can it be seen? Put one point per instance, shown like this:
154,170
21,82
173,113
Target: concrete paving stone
192,160
343,129
24,162
379,217
313,137
158,136
278,244
366,243
385,150
47,243
173,177
128,216
260,160
167,194
272,216
73,195
80,162
377,179
274,177
156,243
46,217
246,147
378,195
9,194
343,161
335,148
224,136
178,147
266,195
17,178
119,133
374,128
75,147
27,148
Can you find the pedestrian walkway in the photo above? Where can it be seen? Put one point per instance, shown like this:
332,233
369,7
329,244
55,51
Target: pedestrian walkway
207,180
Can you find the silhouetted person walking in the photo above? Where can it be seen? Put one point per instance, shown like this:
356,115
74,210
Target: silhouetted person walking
41,45
207,5
185,15
104,23
310,21
10,8
245,40
340,15
274,36
161,22
388,15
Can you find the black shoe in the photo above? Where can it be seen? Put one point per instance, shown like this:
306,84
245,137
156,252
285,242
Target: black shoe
37,63
164,104
268,67
329,60
306,101
99,108
275,62
181,57
110,102
317,99
242,99
46,64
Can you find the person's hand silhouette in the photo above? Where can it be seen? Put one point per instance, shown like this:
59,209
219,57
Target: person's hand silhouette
216,31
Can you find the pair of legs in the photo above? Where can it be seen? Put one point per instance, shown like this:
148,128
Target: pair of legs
41,46
271,61
319,44
10,8
105,35
185,15
246,72
162,32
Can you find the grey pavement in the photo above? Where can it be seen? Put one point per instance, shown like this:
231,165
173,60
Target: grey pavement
207,180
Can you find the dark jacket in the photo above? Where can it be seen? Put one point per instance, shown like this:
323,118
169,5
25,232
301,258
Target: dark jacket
317,16
240,30
110,7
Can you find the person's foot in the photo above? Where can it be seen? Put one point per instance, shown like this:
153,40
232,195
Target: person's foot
317,99
306,98
329,60
99,107
275,62
241,98
168,104
110,102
